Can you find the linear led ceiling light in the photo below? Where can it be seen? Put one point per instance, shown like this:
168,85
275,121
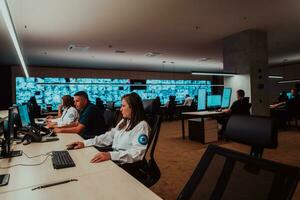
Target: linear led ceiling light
275,77
290,81
12,32
213,73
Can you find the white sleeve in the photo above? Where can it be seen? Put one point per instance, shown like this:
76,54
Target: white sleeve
138,148
103,140
70,116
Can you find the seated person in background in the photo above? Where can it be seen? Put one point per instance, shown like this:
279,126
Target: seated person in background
34,108
129,138
67,113
100,105
283,97
90,123
157,100
171,108
240,106
188,100
295,96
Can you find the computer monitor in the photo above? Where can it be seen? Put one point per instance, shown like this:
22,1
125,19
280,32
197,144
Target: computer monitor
201,99
24,115
9,136
226,97
214,101
289,94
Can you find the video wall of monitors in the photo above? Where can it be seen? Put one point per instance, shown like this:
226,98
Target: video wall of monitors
50,90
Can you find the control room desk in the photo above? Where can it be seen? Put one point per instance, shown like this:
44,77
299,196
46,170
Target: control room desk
197,114
103,180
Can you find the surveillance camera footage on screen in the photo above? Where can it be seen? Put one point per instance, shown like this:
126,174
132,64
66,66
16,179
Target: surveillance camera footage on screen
48,91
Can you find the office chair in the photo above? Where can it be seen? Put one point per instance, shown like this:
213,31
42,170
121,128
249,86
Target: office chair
293,111
227,174
110,105
150,170
147,170
151,106
257,132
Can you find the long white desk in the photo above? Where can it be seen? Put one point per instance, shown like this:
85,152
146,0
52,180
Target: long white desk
103,180
201,114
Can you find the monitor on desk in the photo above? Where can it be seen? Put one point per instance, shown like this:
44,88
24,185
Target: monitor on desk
226,97
201,99
24,115
214,101
6,151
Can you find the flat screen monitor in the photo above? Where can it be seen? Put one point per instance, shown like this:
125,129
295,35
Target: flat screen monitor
9,136
201,99
214,101
226,97
24,115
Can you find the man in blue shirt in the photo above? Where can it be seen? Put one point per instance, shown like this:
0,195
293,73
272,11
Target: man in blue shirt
91,121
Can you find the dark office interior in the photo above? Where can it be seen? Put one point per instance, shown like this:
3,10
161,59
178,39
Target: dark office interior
172,51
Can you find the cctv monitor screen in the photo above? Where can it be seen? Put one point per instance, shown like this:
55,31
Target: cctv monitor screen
226,97
201,99
214,101
24,116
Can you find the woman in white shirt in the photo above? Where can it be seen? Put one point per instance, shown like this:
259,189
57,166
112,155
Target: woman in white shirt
67,113
129,138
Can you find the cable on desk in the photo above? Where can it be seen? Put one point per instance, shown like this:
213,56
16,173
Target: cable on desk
46,154
26,165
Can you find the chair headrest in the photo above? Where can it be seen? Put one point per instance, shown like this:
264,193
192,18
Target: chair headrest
255,131
150,106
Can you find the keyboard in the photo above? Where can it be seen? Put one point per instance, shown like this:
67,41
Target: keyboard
62,159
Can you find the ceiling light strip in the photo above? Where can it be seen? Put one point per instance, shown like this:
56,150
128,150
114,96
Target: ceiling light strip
213,74
289,81
275,77
12,32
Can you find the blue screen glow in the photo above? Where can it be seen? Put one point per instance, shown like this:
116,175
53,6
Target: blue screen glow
226,97
50,90
201,99
213,101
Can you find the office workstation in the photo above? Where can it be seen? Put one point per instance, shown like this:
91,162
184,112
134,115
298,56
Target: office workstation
225,79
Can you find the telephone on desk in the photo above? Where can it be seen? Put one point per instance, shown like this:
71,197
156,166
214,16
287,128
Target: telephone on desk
39,134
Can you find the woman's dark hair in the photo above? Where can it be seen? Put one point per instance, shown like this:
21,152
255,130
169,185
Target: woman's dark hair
68,101
137,111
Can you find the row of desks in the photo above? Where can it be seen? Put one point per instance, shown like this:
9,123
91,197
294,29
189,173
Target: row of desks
103,180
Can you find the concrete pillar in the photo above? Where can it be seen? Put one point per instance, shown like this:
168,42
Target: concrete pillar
246,53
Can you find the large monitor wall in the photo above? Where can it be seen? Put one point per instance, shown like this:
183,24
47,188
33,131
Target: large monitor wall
50,90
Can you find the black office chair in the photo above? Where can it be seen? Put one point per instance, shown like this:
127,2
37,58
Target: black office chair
147,170
293,111
110,105
258,132
111,118
150,170
227,174
151,106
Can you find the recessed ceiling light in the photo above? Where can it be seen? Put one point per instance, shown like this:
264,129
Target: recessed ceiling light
120,51
73,47
203,59
152,54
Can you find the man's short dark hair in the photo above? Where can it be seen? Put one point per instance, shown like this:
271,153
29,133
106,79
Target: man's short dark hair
82,94
241,93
